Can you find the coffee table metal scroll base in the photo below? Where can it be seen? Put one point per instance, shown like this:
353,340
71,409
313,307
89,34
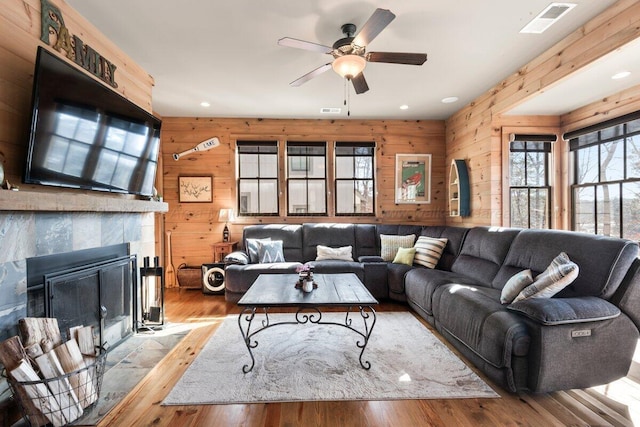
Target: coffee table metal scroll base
302,316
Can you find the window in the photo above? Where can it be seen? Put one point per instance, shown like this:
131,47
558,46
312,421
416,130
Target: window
354,182
306,178
257,178
529,189
606,189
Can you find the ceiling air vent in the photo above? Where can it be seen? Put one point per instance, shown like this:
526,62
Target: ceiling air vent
547,17
330,110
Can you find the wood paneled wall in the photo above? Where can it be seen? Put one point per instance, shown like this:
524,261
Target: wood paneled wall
19,39
194,226
474,132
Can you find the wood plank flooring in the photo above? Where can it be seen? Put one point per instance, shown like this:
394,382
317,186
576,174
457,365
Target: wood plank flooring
616,404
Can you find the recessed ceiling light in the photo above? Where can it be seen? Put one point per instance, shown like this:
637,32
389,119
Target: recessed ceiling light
205,104
449,99
404,107
621,75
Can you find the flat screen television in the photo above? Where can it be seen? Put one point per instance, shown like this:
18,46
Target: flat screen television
85,135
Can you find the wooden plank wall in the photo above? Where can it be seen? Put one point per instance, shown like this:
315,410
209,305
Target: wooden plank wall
19,39
474,132
194,226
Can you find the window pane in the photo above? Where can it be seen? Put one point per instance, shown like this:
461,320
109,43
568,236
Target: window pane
519,207
344,167
268,193
364,196
307,197
612,158
517,169
345,195
268,166
631,210
584,209
317,197
536,169
249,196
587,165
608,210
316,167
364,167
633,157
539,207
248,165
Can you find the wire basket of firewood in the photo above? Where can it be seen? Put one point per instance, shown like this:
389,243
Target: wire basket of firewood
58,400
53,381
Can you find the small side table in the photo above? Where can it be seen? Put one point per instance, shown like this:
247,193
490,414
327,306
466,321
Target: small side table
222,249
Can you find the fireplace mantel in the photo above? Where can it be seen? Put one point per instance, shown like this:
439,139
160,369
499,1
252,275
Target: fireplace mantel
74,202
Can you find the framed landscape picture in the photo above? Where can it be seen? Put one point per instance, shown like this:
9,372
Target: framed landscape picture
195,189
413,178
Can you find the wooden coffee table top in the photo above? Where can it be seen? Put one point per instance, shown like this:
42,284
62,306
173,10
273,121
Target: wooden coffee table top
278,290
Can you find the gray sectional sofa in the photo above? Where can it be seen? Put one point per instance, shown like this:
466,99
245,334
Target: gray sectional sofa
583,336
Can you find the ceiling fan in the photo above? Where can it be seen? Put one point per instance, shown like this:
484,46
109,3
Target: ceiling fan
349,53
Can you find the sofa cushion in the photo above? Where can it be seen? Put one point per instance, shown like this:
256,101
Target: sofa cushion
326,234
389,244
475,317
429,250
515,285
603,261
560,273
483,251
405,256
455,237
238,278
342,253
421,283
332,266
559,311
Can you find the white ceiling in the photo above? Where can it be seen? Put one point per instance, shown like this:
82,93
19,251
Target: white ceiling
225,53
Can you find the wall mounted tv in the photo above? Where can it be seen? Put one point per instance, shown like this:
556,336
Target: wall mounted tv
85,135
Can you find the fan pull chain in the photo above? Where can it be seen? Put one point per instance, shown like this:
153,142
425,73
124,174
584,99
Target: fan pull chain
347,96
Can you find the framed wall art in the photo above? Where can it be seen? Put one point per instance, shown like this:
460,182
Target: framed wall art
413,178
195,189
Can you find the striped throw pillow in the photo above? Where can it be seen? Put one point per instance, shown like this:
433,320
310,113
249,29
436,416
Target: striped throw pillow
389,245
429,250
560,274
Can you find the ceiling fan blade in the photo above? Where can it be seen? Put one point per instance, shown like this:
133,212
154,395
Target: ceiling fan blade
360,84
321,69
397,57
301,44
376,23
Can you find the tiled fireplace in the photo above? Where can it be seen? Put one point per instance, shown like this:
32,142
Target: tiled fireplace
27,234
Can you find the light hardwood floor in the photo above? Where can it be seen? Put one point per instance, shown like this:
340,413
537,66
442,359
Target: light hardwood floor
616,404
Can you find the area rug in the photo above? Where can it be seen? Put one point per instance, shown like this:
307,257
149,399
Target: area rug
317,362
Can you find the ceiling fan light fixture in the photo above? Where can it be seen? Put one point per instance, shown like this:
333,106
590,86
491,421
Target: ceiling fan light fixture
349,66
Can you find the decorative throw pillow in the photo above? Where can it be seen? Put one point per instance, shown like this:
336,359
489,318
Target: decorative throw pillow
389,245
270,252
325,252
560,274
252,248
405,256
515,285
429,250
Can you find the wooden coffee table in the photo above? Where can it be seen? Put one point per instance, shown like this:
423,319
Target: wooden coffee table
334,290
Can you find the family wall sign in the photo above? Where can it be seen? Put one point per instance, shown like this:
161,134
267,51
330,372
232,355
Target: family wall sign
57,35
